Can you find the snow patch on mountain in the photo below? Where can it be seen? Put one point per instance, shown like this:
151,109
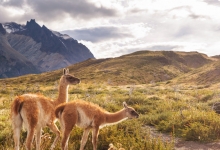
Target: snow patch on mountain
11,27
63,36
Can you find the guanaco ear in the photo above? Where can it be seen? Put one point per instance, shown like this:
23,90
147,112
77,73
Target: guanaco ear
125,105
67,71
64,71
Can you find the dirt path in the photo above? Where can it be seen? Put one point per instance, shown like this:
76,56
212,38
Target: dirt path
185,145
191,145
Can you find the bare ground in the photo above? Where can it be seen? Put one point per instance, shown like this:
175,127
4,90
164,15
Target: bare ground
191,145
181,144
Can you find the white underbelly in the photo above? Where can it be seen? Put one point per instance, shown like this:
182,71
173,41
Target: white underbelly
83,120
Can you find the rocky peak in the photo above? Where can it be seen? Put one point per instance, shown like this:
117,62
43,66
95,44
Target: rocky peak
33,30
2,30
32,23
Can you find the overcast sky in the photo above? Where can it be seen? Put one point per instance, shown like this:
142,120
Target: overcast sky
111,28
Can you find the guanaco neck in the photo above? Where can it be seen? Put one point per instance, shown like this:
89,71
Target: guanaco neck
115,117
62,95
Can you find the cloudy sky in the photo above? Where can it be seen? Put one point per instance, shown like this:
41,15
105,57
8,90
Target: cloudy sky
111,28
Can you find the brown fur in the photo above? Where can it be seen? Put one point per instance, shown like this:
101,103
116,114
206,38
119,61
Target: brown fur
16,106
59,109
88,116
35,111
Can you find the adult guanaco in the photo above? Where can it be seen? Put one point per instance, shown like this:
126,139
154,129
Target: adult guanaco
36,111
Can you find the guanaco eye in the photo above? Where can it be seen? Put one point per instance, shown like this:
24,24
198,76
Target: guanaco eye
70,78
133,112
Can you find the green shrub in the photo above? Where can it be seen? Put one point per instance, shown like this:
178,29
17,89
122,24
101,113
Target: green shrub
197,132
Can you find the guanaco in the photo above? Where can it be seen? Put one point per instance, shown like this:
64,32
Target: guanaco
89,117
36,111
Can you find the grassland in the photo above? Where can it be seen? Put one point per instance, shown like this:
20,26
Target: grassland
180,110
164,91
131,134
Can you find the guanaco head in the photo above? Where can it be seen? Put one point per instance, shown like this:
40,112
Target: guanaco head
68,78
130,112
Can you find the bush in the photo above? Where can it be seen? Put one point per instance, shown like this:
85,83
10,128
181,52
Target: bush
197,132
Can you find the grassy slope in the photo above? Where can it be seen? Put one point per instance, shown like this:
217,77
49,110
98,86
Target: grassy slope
141,67
205,75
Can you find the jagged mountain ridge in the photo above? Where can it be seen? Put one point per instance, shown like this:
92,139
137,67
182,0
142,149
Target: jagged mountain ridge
47,50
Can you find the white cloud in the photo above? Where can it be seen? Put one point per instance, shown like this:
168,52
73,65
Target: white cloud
116,27
14,12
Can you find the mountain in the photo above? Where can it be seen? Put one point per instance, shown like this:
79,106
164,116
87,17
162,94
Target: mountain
12,62
47,50
141,67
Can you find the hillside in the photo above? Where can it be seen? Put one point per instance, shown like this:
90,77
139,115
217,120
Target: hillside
208,74
141,67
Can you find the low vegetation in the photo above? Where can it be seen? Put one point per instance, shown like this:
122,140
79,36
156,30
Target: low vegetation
131,134
178,110
173,96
